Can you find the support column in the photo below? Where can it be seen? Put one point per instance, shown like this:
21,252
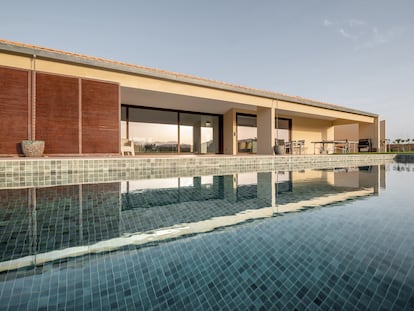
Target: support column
230,132
372,131
330,133
265,130
383,136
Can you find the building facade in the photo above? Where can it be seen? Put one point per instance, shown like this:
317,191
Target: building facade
81,105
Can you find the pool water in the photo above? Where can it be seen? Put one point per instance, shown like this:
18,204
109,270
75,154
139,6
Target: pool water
334,239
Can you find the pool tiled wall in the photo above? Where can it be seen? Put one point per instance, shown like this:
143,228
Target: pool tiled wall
43,172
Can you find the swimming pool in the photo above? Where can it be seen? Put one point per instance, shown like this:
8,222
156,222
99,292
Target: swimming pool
329,239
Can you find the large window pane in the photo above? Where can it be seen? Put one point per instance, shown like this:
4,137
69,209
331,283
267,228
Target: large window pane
186,139
153,130
199,133
282,130
124,122
246,134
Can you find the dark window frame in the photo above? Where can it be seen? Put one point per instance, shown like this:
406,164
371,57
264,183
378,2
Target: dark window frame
220,121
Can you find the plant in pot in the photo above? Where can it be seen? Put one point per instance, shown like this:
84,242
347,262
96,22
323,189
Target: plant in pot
33,148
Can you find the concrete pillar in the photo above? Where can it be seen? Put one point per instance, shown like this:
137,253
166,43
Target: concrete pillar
383,136
265,130
229,132
372,131
330,133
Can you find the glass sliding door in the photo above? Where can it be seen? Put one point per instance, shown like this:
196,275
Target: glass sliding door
246,133
199,133
186,138
160,131
124,123
283,129
153,131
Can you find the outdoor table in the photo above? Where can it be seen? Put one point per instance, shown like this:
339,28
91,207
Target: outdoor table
347,144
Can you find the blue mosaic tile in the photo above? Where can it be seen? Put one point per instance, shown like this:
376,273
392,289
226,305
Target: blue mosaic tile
353,255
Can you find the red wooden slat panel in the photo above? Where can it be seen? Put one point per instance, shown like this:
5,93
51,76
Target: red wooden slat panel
14,93
100,117
57,113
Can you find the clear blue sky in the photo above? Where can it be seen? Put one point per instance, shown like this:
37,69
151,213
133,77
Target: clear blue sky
355,53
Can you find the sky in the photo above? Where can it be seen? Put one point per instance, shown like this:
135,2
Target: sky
353,53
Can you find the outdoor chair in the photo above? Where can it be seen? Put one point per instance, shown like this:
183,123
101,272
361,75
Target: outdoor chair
365,144
127,146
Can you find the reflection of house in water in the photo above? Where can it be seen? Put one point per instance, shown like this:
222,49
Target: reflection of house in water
41,220
59,222
323,187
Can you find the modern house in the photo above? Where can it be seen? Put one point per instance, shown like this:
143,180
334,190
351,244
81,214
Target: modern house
81,105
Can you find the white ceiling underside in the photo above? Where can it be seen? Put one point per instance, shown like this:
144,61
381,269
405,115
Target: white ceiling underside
301,114
145,98
153,99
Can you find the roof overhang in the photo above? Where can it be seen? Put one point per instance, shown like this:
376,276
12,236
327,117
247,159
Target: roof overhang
60,56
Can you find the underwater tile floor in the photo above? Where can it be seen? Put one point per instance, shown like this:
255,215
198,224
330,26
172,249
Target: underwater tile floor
287,262
353,255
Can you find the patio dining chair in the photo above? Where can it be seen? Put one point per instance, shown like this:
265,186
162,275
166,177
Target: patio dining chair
127,146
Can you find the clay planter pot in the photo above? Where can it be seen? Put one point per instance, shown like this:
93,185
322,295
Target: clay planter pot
33,148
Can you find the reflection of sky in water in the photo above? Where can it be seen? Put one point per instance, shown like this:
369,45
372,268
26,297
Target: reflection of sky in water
138,206
163,183
247,178
400,178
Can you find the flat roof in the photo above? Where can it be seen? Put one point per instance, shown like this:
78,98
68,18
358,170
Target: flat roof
85,60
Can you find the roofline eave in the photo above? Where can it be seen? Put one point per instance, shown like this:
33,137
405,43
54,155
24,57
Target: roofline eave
121,67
